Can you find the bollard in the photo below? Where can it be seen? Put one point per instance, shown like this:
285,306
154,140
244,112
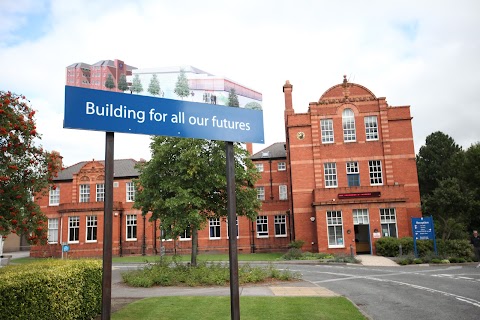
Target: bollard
351,251
400,251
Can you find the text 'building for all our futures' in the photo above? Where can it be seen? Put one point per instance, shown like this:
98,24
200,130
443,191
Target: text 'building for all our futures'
345,177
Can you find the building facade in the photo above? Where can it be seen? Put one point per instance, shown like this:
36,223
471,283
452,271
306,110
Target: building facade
351,169
75,212
204,87
94,76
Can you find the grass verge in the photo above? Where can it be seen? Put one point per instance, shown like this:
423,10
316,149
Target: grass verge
204,308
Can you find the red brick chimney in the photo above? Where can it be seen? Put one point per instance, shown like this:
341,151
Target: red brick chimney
249,148
287,91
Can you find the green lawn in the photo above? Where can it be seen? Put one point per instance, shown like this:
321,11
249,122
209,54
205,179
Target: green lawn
204,257
215,308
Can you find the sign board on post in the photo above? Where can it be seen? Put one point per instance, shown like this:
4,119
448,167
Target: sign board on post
107,111
422,229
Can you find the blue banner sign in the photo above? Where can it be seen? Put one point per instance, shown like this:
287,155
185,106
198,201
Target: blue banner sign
107,111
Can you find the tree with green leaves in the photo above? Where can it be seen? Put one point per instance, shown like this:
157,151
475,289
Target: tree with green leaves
122,83
137,86
253,105
470,175
233,99
109,83
154,86
450,206
440,158
184,184
181,86
26,170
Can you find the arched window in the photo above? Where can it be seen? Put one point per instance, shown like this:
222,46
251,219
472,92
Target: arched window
348,121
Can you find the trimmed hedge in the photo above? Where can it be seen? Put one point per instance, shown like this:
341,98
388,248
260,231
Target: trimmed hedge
389,247
51,289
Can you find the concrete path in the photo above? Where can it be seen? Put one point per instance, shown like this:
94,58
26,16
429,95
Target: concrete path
377,261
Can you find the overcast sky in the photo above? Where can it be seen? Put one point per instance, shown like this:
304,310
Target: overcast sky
425,54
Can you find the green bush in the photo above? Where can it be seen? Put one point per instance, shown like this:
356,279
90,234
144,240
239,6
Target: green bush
387,247
293,254
298,244
51,289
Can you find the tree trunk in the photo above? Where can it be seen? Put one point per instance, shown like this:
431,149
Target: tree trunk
193,260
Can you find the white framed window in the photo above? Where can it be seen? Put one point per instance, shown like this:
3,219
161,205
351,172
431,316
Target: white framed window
214,226
131,226
53,230
330,171
262,226
100,191
375,168
280,225
282,166
54,196
388,220
260,193
360,216
348,122
371,128
259,167
92,228
353,174
282,192
73,229
326,128
84,193
166,233
236,222
335,229
186,234
130,192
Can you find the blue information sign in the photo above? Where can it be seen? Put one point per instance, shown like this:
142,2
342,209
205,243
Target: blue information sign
107,111
422,229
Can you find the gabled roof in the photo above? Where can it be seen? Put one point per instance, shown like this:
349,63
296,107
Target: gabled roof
275,151
121,169
108,63
80,65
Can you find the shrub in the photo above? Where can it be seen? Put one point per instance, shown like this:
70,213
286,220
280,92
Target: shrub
52,289
293,254
298,244
387,247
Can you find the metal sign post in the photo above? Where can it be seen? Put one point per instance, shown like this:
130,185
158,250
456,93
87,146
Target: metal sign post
232,231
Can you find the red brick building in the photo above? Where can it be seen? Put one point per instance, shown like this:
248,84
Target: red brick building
95,75
351,169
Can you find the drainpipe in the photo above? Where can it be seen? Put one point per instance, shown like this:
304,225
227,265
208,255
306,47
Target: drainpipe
144,244
120,251
155,237
252,237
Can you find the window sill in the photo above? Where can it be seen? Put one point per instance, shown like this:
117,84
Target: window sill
91,241
214,238
262,237
133,239
281,236
73,242
336,247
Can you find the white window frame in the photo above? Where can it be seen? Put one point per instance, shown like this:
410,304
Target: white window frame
92,228
330,174
54,196
238,231
130,187
214,229
282,166
262,226
100,192
353,169
74,229
84,193
375,170
280,222
260,193
326,128
371,128
186,235
53,230
282,192
360,216
388,217
348,123
335,221
131,227
259,167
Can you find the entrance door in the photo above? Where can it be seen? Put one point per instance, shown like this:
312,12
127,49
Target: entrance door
362,231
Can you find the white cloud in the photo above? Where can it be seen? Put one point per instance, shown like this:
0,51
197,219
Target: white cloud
419,54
